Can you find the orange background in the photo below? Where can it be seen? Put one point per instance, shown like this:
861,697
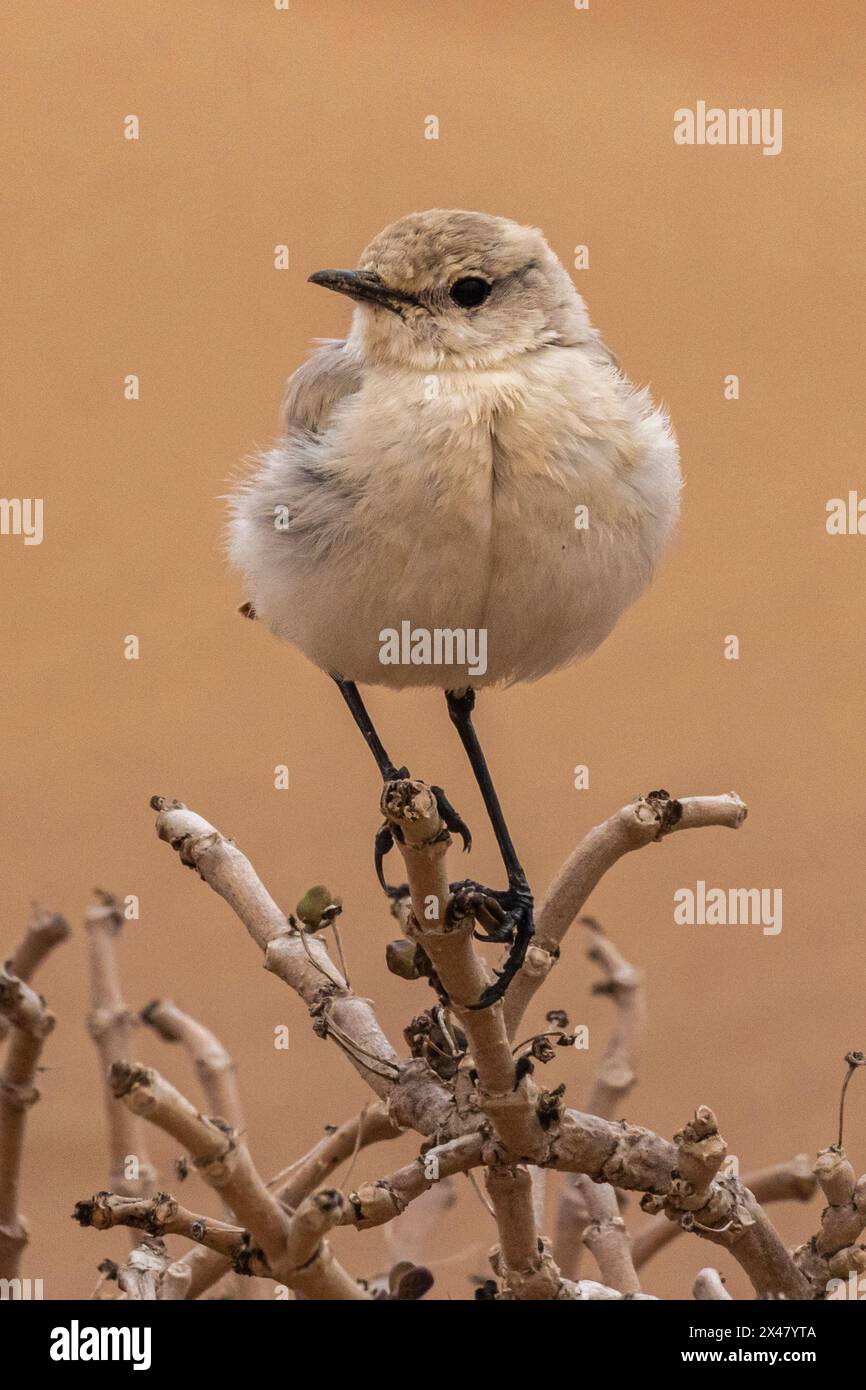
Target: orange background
260,127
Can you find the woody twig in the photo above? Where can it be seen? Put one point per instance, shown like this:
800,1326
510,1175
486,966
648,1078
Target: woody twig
130,1170
29,1023
294,1246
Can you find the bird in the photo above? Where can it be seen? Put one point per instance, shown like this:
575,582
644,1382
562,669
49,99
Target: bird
467,492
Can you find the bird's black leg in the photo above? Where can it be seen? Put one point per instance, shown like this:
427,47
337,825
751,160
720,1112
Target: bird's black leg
358,710
389,773
516,902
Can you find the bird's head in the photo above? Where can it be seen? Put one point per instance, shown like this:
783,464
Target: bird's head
458,289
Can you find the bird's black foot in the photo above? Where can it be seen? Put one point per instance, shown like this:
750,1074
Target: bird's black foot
507,917
386,834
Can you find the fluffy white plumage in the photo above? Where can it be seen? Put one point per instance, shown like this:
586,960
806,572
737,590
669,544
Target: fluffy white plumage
432,463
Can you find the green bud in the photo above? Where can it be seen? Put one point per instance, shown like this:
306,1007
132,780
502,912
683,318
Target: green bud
318,907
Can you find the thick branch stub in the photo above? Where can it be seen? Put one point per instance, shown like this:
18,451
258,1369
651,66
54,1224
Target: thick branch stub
722,1210
783,1182
22,1008
834,1253
522,1260
311,1267
702,1151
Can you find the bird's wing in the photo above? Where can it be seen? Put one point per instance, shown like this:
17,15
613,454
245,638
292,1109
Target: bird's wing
318,386
602,351
291,482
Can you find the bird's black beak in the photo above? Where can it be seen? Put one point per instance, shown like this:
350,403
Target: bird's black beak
366,286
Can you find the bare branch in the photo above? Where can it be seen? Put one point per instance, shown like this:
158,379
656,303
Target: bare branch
607,1238
783,1182
677,1180
833,1253
45,930
296,1182
443,926
161,1215
149,1277
215,1068
110,1026
224,1163
572,1219
30,1023
709,1286
644,821
216,1072
310,1265
374,1204
614,1079
220,1156
522,1259
617,1071
417,1098
371,1204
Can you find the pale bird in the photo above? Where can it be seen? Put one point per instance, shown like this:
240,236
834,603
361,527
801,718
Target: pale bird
470,460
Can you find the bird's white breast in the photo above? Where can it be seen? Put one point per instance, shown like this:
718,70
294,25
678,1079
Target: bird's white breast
448,501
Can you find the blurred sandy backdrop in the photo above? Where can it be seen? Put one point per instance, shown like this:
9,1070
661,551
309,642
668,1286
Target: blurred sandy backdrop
306,128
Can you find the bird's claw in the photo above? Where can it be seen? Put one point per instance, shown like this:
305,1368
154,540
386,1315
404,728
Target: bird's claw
507,917
382,845
388,832
471,899
452,819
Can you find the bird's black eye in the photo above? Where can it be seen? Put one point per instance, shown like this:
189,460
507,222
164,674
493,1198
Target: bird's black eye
469,292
